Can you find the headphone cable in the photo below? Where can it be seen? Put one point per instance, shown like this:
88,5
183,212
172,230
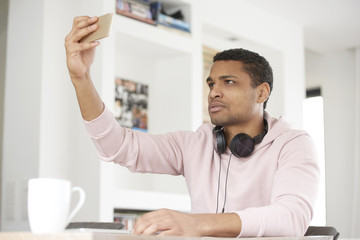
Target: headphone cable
218,190
226,179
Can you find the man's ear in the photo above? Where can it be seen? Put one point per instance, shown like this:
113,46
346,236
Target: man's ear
263,92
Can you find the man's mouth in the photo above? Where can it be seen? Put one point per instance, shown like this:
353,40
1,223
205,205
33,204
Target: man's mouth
215,107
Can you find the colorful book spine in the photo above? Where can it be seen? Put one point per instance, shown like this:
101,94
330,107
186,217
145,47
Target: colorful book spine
172,22
139,10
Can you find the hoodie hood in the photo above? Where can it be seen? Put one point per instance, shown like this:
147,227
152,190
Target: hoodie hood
278,128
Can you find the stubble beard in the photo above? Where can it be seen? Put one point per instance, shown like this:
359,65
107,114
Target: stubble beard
223,120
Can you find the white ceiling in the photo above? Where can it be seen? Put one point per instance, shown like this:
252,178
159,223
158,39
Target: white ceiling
329,25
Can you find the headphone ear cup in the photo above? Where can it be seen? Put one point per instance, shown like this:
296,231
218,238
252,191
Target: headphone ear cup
242,145
220,140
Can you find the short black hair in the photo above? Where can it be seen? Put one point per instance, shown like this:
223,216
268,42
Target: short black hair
254,64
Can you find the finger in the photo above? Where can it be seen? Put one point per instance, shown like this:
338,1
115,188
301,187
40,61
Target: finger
82,26
168,232
83,21
152,229
72,40
140,225
146,223
76,36
78,23
84,32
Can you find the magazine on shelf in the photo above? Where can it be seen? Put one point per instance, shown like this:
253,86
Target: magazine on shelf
173,23
154,14
163,19
139,10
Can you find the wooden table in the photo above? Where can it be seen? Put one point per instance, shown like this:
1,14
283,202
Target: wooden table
116,236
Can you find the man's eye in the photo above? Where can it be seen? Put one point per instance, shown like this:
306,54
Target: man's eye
210,85
229,81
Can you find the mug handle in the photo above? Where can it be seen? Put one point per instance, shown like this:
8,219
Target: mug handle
80,202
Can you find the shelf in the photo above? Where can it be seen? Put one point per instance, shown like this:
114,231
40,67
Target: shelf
169,62
149,40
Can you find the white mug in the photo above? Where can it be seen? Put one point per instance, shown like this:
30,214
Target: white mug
49,202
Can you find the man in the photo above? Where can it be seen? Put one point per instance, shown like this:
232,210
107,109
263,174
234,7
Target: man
251,175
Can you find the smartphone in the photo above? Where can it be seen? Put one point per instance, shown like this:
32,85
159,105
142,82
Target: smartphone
104,23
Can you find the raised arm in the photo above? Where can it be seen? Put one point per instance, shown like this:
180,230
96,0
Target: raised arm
79,57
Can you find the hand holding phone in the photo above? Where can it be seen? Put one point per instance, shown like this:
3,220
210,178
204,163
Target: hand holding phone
104,26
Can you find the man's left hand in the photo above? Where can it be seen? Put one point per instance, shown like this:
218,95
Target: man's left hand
165,222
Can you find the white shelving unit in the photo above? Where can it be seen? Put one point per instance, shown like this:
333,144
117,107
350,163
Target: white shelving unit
171,65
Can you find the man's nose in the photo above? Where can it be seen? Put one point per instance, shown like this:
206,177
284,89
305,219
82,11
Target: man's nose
215,92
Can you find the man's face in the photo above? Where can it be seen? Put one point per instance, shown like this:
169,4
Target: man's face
232,99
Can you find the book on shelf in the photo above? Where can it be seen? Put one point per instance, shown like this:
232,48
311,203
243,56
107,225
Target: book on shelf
173,23
154,14
155,9
163,19
135,9
127,217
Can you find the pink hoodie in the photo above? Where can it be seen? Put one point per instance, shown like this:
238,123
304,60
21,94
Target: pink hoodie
273,190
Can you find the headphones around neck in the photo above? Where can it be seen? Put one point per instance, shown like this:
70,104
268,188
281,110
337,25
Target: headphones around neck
242,145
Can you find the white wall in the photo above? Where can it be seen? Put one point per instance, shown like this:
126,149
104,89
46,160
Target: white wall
43,133
336,73
21,108
65,149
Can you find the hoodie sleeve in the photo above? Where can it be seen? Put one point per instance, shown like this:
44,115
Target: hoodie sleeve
293,196
138,151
